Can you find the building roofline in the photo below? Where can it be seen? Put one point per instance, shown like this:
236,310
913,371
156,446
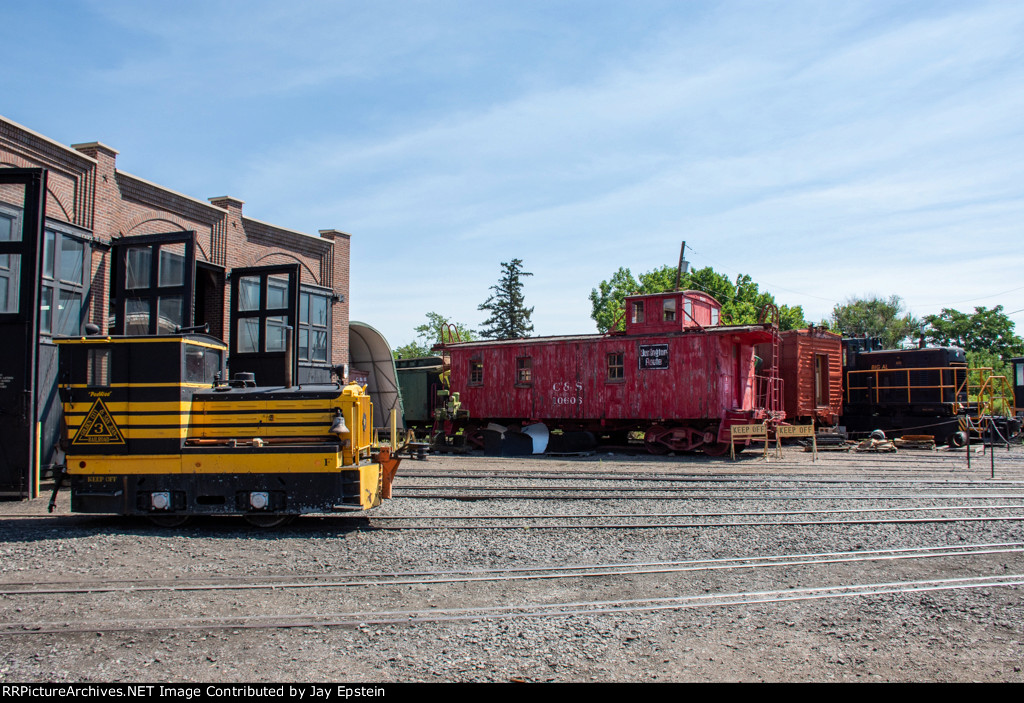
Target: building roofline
68,151
203,203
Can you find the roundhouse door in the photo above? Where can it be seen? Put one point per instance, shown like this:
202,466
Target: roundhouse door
22,212
154,283
264,323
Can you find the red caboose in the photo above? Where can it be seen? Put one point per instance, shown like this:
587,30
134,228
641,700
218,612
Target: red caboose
675,374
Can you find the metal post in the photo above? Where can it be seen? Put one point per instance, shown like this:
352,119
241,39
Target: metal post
967,431
394,430
992,446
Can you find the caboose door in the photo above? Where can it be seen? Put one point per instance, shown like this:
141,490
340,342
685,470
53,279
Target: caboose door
22,213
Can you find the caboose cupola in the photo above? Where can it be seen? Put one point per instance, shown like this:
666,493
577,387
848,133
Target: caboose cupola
671,312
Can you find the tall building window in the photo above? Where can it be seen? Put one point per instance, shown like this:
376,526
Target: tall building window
10,264
314,326
65,282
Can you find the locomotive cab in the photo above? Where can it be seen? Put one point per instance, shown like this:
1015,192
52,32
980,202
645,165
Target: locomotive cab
154,429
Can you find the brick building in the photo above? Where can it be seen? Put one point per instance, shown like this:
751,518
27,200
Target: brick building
133,257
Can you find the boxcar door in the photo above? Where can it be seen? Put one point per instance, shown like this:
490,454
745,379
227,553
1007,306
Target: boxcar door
22,212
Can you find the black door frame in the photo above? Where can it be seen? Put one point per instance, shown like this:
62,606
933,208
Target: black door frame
19,360
121,292
269,367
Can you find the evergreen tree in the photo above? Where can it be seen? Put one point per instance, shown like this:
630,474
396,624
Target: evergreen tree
509,319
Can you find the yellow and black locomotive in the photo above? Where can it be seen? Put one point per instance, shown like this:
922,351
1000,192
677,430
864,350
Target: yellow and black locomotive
154,429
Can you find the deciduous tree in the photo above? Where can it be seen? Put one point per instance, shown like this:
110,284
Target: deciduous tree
984,331
435,330
741,301
875,317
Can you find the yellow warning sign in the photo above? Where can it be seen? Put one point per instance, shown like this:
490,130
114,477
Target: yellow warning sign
99,427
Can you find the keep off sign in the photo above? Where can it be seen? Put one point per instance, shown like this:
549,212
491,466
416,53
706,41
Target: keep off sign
749,430
795,430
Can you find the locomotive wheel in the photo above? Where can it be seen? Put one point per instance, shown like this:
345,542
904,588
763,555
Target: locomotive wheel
269,520
956,439
169,520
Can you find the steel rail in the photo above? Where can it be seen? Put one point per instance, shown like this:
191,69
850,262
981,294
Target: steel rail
663,489
624,496
694,478
514,574
375,516
641,526
547,610
175,583
747,513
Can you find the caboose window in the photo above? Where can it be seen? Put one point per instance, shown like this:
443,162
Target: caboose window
476,372
714,316
638,311
616,367
524,370
688,308
668,310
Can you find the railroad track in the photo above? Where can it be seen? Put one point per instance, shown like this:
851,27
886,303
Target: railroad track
375,521
484,576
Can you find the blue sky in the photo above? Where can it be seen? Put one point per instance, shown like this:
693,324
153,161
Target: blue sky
829,149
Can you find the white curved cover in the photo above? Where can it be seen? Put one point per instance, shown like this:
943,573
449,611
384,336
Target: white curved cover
539,434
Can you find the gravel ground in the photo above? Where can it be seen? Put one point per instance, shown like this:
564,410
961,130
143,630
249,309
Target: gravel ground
888,634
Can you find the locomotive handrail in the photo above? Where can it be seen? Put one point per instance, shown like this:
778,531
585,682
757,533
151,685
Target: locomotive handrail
877,387
991,390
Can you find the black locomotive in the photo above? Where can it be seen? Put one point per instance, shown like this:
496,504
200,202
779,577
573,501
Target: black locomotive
923,391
